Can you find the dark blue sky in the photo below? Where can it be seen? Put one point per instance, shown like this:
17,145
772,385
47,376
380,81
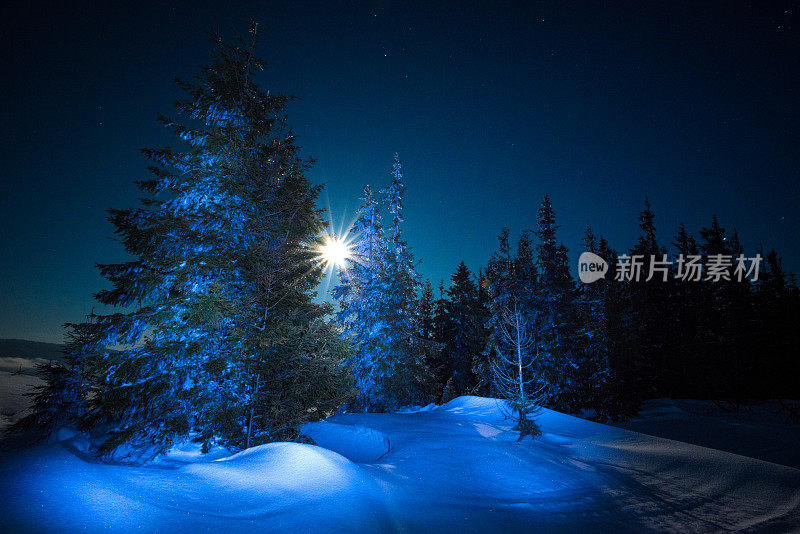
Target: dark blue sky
490,106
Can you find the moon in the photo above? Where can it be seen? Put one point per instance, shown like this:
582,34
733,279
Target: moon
335,252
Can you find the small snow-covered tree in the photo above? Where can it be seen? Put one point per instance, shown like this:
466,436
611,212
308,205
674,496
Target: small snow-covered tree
61,400
516,370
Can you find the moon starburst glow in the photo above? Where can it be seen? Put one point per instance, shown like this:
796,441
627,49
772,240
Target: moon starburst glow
335,252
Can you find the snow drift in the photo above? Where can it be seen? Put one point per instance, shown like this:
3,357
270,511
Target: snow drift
356,442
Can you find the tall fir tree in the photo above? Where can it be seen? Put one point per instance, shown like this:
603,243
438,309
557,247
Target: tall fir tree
481,366
648,303
379,300
440,315
726,318
617,403
685,313
501,297
591,349
440,336
427,306
409,380
776,315
462,333
221,338
555,304
427,332
360,295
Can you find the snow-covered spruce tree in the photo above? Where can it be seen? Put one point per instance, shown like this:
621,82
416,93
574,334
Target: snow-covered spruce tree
463,330
440,315
480,361
426,311
511,284
554,304
222,340
440,330
591,347
501,291
729,367
427,306
360,294
409,380
648,306
379,307
516,371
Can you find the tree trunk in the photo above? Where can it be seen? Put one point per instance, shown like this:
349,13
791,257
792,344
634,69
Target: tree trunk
252,413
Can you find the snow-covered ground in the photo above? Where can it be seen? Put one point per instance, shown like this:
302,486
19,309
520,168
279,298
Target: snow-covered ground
763,431
454,468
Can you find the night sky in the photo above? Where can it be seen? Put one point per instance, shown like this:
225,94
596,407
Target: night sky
695,105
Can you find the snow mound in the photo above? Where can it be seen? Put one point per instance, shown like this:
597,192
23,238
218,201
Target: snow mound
270,488
357,443
278,469
277,479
